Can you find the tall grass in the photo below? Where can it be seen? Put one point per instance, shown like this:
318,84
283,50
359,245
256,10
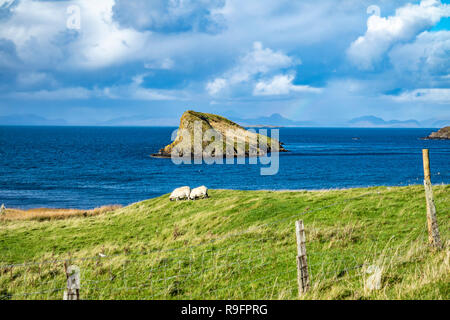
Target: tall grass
42,214
236,245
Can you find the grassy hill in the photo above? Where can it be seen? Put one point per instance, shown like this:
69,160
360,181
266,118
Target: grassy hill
234,245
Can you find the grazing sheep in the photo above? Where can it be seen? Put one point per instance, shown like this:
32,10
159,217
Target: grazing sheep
2,209
181,193
199,193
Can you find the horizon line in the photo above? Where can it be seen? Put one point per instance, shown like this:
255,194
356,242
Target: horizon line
176,126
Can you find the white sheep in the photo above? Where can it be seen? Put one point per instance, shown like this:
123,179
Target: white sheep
199,193
181,193
2,209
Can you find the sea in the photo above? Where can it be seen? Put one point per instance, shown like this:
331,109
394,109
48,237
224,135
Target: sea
87,167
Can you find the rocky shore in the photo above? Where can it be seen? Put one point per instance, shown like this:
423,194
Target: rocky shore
194,123
442,134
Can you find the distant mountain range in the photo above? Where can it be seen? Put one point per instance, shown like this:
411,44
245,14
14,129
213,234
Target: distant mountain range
433,123
30,120
372,121
140,121
376,122
362,122
275,120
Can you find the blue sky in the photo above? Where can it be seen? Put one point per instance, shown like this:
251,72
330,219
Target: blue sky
324,61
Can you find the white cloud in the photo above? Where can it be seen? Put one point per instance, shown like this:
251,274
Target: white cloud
31,28
6,3
163,64
216,86
136,91
258,61
102,41
281,84
113,93
39,32
321,31
426,57
131,91
57,94
171,16
382,33
29,79
434,95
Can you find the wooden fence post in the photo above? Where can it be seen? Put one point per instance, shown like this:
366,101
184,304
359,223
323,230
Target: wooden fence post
302,264
433,230
73,282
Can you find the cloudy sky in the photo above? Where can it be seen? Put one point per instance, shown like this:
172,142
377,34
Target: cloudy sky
325,61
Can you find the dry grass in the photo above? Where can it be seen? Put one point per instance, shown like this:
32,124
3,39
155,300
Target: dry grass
43,214
237,245
410,271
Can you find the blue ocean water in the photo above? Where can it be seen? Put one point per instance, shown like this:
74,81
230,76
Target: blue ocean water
85,167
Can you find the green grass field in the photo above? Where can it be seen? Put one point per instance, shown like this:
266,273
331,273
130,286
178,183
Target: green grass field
236,245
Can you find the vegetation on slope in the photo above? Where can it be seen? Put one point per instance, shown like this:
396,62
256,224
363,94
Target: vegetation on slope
214,123
442,134
54,214
236,244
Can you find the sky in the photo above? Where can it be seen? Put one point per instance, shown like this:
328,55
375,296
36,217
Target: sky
324,61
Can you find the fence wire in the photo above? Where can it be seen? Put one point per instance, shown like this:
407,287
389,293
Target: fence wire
242,267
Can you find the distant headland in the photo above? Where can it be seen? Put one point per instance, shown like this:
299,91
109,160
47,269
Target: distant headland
442,134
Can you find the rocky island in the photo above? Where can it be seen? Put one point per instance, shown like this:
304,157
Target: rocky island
442,134
194,123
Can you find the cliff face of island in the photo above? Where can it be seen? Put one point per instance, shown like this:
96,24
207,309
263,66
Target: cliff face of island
196,124
442,134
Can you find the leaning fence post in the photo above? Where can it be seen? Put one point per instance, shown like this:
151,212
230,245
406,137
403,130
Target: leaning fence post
433,230
302,264
73,282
